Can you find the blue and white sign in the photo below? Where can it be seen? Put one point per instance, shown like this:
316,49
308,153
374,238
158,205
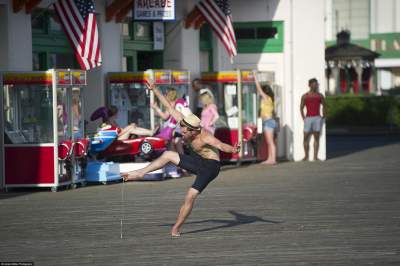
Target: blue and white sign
158,35
154,10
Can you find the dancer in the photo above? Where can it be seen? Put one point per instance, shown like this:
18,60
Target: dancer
203,159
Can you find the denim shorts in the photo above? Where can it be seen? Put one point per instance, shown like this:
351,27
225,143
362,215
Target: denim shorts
312,124
269,124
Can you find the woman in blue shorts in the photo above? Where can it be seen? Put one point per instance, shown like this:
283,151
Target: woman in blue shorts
269,123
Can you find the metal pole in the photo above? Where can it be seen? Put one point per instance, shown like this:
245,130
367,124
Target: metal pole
2,183
240,124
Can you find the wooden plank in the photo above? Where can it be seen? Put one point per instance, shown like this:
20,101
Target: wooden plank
344,211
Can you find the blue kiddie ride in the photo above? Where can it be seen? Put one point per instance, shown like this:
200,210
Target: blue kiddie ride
106,146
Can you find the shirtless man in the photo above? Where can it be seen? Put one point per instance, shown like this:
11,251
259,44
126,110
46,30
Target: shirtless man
203,159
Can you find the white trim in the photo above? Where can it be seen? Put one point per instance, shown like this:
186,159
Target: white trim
66,183
55,129
388,62
32,185
30,145
2,157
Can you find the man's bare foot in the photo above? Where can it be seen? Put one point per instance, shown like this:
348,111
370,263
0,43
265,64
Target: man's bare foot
175,233
134,175
305,159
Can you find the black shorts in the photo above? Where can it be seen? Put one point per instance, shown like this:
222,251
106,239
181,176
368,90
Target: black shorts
205,169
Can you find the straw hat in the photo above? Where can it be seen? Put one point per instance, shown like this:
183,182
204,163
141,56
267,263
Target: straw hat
191,121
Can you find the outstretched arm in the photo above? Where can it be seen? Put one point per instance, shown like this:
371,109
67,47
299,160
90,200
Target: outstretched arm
258,86
302,104
163,115
170,109
213,141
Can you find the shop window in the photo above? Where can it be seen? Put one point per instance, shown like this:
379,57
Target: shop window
259,37
125,29
39,21
50,45
266,32
127,64
57,60
39,61
54,24
143,31
245,33
149,60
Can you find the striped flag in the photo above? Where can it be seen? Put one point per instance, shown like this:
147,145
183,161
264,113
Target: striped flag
79,23
217,13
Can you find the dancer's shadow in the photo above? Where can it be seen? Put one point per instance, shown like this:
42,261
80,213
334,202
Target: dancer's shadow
239,219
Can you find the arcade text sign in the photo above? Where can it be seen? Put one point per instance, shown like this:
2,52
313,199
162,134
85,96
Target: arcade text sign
154,10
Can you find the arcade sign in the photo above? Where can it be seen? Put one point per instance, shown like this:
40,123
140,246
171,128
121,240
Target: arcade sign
154,10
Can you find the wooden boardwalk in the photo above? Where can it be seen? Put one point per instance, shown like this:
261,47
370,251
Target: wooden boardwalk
345,211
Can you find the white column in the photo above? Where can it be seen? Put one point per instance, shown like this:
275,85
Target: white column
221,58
16,39
182,49
306,59
111,52
15,49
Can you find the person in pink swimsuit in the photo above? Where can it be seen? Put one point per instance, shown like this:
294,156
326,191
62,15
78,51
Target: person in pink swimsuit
209,114
170,132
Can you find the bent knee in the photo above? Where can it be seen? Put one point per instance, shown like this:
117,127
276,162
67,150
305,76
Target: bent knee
191,197
172,156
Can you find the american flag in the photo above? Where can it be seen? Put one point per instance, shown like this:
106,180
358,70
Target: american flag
79,23
217,13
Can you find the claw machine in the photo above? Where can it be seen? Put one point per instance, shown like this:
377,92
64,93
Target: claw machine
128,92
42,122
238,103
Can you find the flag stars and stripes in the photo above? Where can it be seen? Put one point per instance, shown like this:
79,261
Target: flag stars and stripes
79,23
217,14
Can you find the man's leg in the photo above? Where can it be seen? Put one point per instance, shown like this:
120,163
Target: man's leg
306,145
166,157
185,210
316,144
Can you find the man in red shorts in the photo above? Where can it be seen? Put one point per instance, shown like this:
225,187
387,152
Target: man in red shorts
312,100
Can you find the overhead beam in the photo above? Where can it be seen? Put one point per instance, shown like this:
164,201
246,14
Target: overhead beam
30,5
192,17
18,5
114,8
199,22
123,12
